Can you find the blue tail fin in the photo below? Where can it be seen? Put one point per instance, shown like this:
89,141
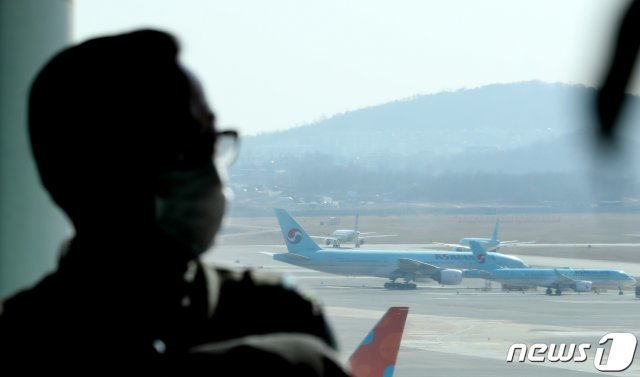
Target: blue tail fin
296,239
494,238
484,260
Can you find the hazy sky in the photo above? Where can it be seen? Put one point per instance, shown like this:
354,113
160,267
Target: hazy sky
276,64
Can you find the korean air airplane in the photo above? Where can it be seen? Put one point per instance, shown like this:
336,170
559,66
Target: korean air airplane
445,267
490,244
580,280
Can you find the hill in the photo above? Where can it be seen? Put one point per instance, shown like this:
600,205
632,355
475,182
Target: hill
507,133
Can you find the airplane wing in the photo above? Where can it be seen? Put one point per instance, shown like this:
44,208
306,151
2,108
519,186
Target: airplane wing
515,243
414,267
476,273
502,244
563,280
324,238
268,253
377,236
376,356
288,255
454,245
230,229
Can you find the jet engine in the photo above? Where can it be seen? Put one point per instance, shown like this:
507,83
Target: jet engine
449,277
327,241
582,286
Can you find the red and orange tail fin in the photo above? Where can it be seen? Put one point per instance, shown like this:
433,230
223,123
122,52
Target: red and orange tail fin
376,355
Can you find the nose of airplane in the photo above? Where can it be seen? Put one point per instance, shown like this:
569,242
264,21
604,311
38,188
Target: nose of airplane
627,279
519,263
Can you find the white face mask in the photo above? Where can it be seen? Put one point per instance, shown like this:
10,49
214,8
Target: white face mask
190,205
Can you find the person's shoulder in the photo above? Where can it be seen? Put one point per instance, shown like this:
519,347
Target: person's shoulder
273,294
257,277
32,300
261,282
263,302
284,354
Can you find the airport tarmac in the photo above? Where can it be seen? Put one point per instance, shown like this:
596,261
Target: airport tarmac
464,330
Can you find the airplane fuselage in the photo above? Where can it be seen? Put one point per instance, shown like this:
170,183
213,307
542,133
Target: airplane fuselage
486,243
344,235
382,263
547,277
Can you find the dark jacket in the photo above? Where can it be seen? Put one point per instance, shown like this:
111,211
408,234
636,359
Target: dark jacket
194,316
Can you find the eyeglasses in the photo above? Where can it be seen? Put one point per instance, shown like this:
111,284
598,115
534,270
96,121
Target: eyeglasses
219,147
227,145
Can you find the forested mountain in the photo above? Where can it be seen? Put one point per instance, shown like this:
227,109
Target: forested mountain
522,142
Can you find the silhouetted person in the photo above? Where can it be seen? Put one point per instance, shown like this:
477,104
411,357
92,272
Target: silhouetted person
618,74
124,143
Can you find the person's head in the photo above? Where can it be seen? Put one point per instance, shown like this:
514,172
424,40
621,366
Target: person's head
122,135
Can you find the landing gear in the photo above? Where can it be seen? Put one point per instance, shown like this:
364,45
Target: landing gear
336,244
620,291
357,244
558,292
399,286
548,292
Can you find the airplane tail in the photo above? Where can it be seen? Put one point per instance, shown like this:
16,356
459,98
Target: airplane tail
494,238
296,239
376,356
484,261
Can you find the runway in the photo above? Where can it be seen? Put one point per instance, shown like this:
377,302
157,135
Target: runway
462,330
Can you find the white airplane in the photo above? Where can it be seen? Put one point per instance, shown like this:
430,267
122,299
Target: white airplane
489,244
445,267
580,280
350,235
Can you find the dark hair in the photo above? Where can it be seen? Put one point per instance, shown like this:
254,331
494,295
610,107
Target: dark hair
107,114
